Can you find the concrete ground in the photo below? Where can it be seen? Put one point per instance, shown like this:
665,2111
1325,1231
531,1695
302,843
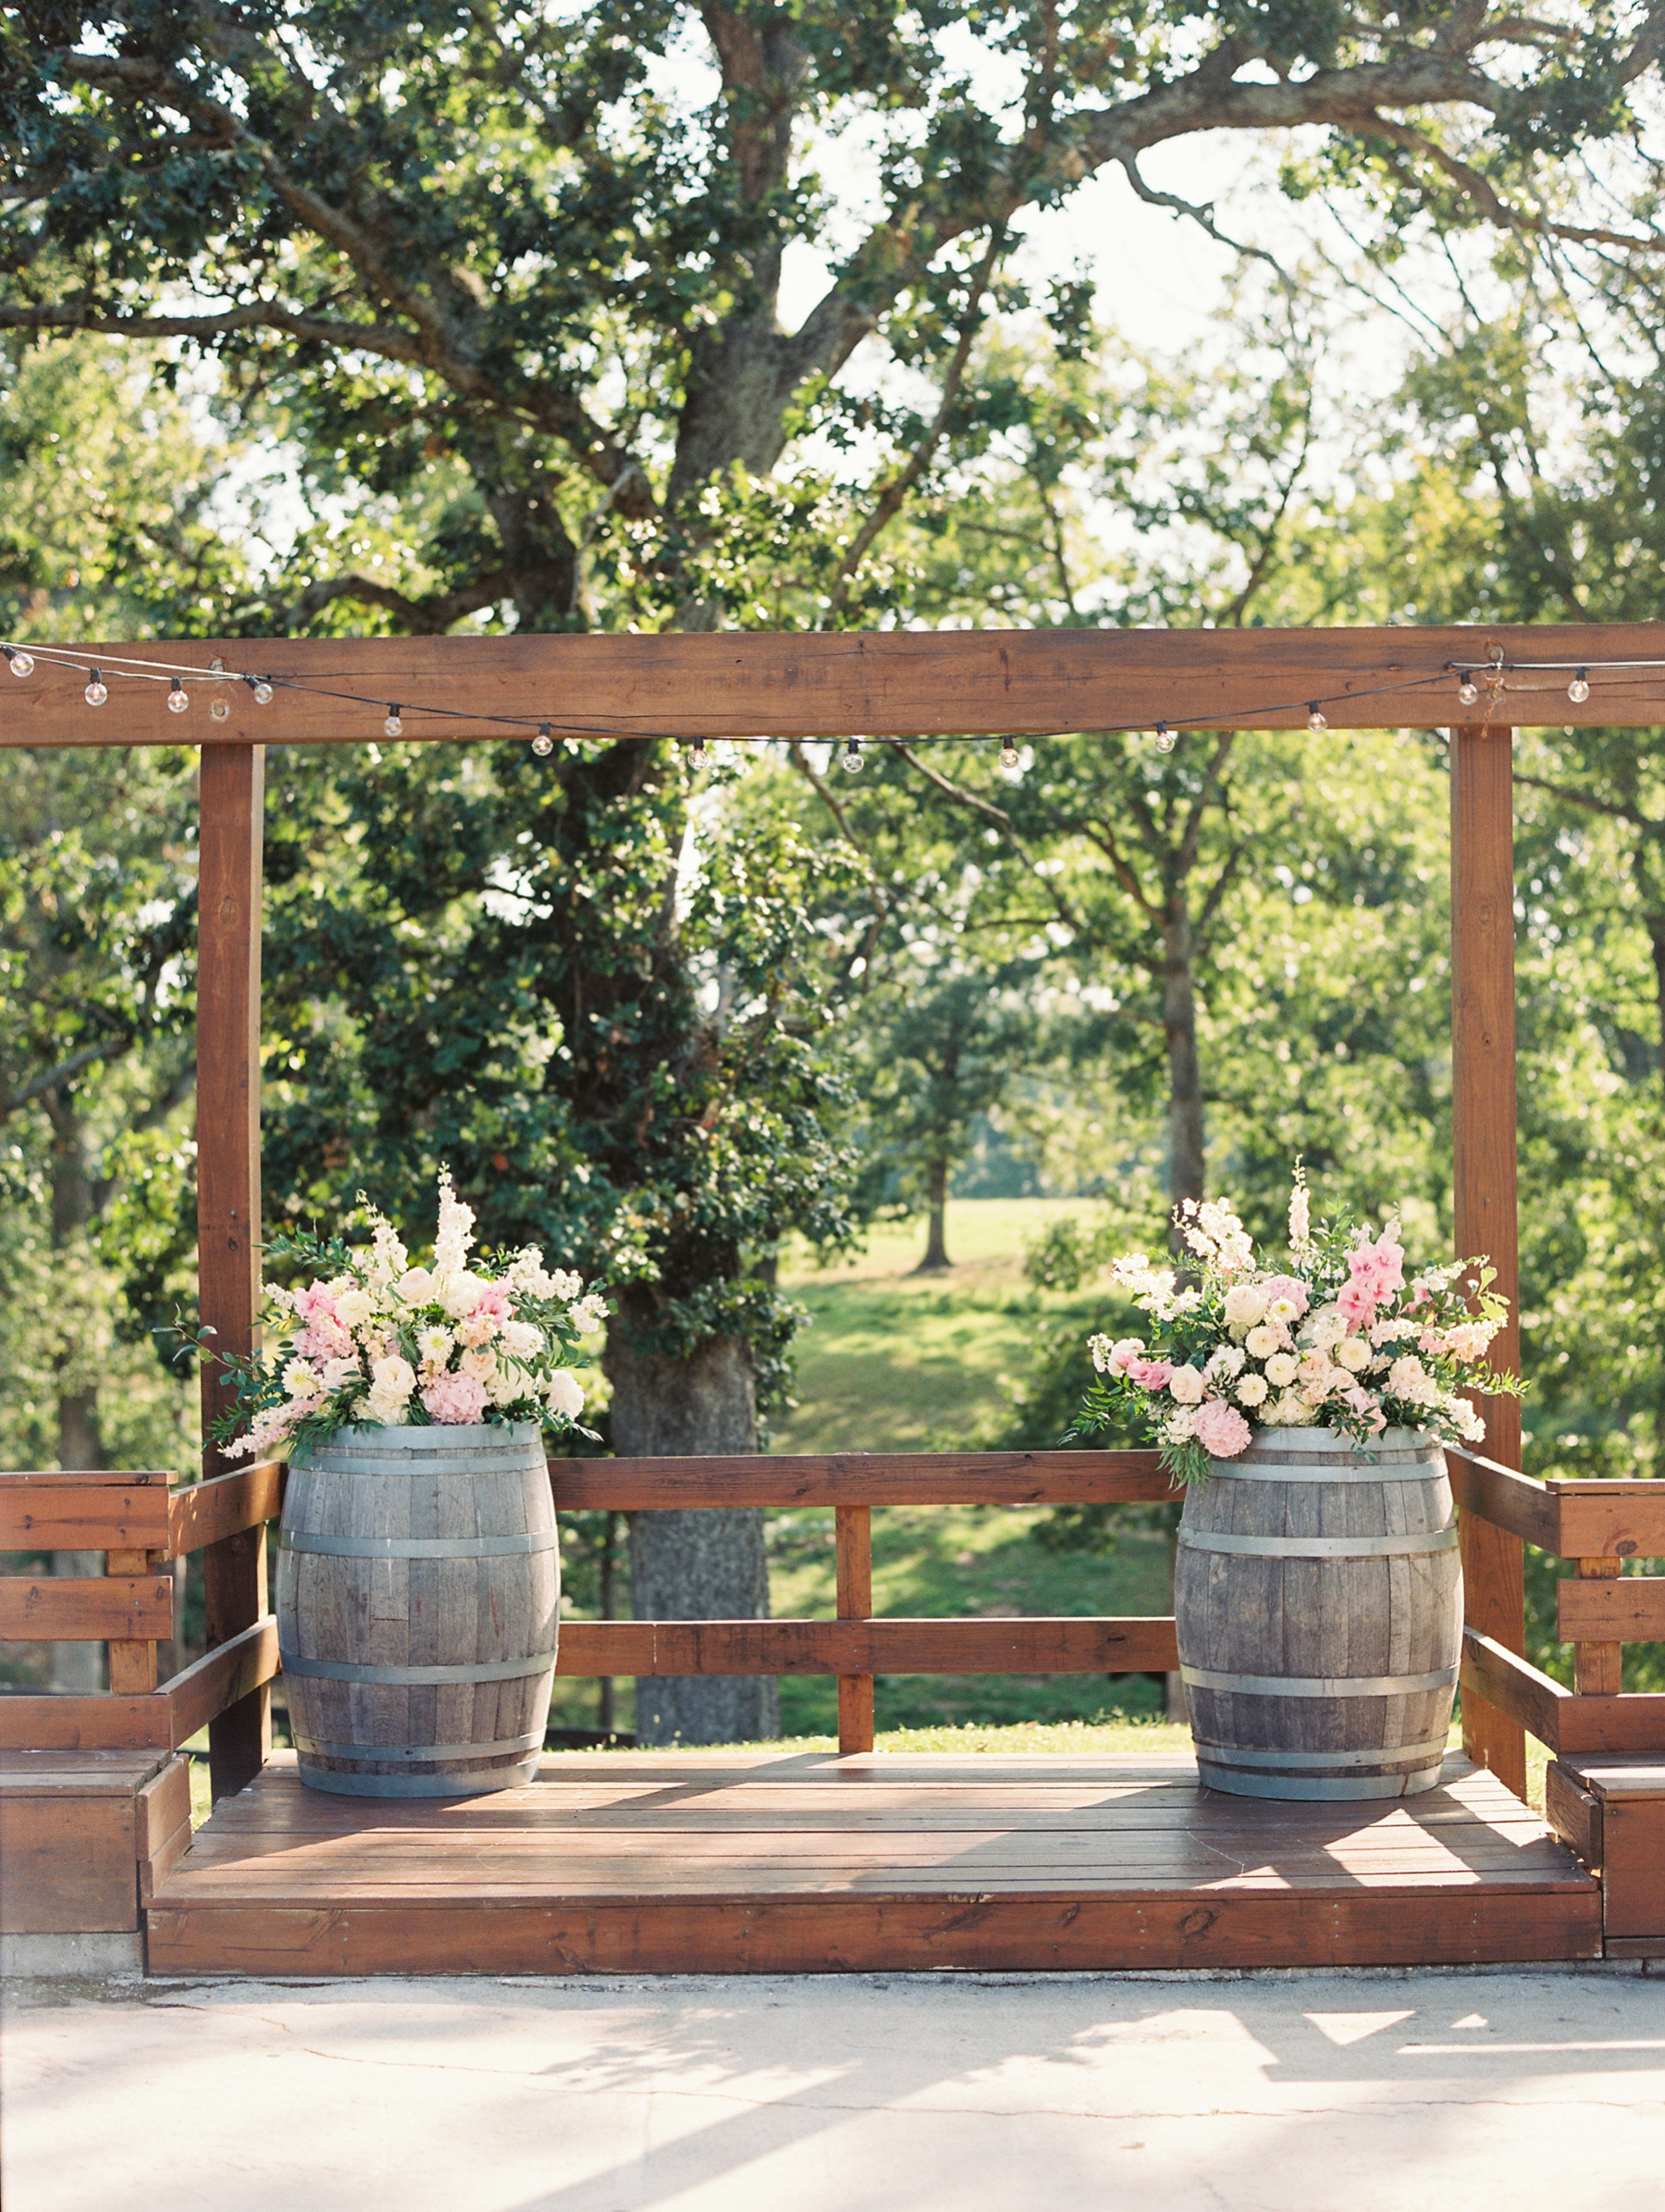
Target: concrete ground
1313,2093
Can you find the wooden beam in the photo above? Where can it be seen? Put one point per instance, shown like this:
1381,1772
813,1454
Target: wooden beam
41,1724
83,1513
1604,1610
50,1609
1527,1509
1483,1143
220,1682
860,1478
229,1193
854,1574
207,1512
891,682
1506,1684
1068,1644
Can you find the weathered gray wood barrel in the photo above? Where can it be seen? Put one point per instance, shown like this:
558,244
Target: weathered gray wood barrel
1318,1604
418,1596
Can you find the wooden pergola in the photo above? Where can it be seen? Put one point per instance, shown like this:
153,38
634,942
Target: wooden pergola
877,685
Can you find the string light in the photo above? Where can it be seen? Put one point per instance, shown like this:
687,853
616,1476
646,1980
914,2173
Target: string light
97,691
1010,764
543,745
1166,738
394,725
696,753
20,663
261,688
1316,718
1468,692
852,755
1578,690
179,698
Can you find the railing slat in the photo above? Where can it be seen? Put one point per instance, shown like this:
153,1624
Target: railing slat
207,1512
61,1610
860,1478
1033,1645
83,1513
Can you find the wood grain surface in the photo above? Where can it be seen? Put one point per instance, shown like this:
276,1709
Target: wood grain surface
805,1863
860,1478
791,684
83,1513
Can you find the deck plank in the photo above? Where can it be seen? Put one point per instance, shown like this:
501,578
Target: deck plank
762,1862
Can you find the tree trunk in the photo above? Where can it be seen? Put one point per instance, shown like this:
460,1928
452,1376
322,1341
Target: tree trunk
1185,1074
936,1238
706,1564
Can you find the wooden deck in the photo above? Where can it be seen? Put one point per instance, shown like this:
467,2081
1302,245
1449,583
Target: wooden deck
728,1862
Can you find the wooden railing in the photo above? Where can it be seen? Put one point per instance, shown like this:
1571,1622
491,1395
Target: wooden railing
141,1526
1598,1525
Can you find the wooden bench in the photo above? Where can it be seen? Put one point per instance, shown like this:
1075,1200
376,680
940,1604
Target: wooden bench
94,1799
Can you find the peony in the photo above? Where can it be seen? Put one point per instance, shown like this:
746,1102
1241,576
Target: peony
454,1399
1221,1429
1287,1291
1260,1343
1186,1386
353,1307
1245,1305
1282,1369
392,1378
1252,1389
1353,1353
565,1393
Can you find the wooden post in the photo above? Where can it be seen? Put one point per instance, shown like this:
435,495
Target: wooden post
234,1571
1482,1139
854,1580
1598,1669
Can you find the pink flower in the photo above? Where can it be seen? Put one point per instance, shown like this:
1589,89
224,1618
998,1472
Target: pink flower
494,1301
1289,1287
1360,1399
1356,1302
456,1397
1150,1374
1221,1429
1379,1267
324,1338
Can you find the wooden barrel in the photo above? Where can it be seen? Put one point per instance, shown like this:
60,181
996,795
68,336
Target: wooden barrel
418,1595
1318,1604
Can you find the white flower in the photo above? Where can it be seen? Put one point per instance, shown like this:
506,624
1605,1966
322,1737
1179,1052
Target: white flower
1251,1390
434,1346
392,1378
1468,1423
1181,1427
1325,1327
1282,1369
1409,1379
336,1374
300,1379
353,1307
565,1393
391,1408
565,1284
456,1229
1245,1305
1353,1353
504,1389
1098,1349
459,1294
1290,1412
1226,1359
1282,1309
1186,1386
482,1366
1300,1211
590,1314
1262,1343
521,1341
415,1286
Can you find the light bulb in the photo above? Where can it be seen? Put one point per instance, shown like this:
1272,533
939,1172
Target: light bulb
19,662
1468,691
696,753
852,755
1578,690
1316,718
1165,740
543,745
261,688
179,698
1008,756
97,689
394,726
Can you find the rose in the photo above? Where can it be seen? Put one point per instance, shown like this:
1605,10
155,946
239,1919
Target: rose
1288,1289
565,1394
1245,1305
337,1373
392,1378
1363,1403
1221,1429
1282,1369
1186,1386
415,1286
1260,1343
391,1409
454,1399
1353,1353
1252,1389
1150,1374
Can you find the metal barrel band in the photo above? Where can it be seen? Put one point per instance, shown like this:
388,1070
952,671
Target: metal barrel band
1318,1685
338,1783
418,1754
1317,1546
1420,1754
418,1547
1337,1469
414,1677
1317,1788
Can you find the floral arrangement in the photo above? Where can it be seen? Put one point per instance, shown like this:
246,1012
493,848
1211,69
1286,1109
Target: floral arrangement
1339,1338
373,1340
